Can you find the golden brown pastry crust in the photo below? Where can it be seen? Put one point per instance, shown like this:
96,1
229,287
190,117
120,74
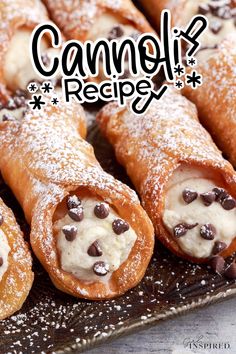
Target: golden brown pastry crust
18,278
43,158
151,147
13,15
75,17
216,98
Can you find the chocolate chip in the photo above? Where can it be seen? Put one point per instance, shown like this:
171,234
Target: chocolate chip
208,231
1,261
21,93
101,268
135,35
208,198
70,232
217,263
228,203
101,210
189,195
191,226
218,247
73,202
220,193
116,32
120,226
203,9
224,12
94,250
215,26
11,104
180,230
76,214
45,59
7,117
126,75
1,219
19,101
230,272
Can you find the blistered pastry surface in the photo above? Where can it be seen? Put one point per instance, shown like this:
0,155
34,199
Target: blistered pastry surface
75,17
17,280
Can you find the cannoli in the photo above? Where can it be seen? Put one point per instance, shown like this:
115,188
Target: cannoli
87,229
16,276
90,20
18,19
221,15
216,98
185,185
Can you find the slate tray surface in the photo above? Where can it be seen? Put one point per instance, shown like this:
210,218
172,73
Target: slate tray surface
51,321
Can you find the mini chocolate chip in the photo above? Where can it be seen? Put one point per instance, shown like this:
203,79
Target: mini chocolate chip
45,59
224,12
1,261
189,195
180,230
116,32
101,210
1,219
19,101
70,232
73,202
203,9
218,247
220,193
208,198
208,231
76,214
230,272
100,268
20,92
94,250
135,35
120,226
11,104
228,203
215,26
190,226
217,263
7,117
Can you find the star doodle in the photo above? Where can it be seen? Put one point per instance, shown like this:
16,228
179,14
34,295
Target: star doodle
194,79
46,87
37,102
179,70
192,62
55,101
32,87
179,84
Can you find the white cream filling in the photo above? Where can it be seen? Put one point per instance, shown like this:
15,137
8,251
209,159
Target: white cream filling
177,211
4,251
16,114
208,38
18,69
73,254
101,29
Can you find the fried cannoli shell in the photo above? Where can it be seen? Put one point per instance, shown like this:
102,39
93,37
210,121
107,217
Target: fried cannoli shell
43,159
216,98
15,14
75,18
151,147
18,278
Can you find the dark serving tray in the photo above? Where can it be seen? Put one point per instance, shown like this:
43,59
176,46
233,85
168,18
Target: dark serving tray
51,321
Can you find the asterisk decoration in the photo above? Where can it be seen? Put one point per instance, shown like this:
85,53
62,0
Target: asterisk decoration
179,84
192,61
55,101
194,79
179,70
46,87
32,87
37,102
